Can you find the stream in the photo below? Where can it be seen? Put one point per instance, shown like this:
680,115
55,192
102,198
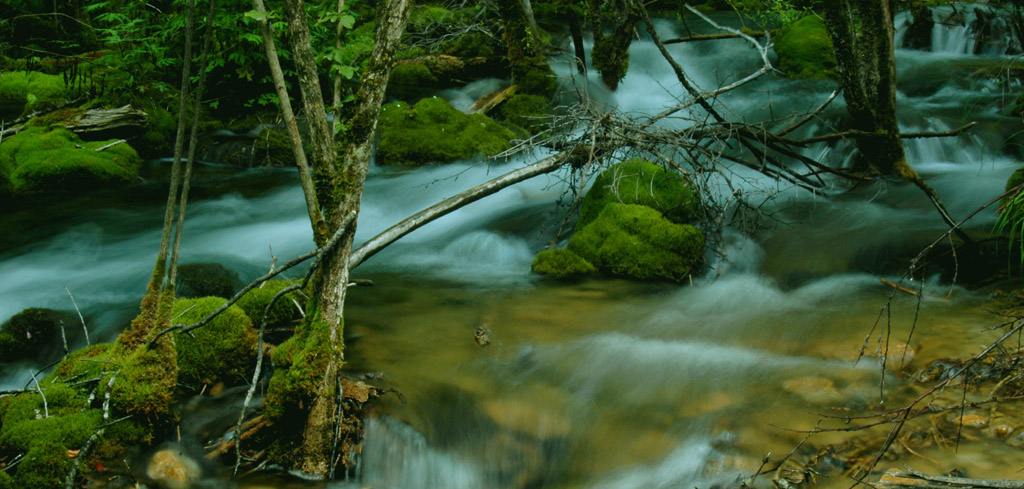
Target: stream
603,383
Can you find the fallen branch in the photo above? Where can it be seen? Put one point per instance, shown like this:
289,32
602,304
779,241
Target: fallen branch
111,145
415,221
899,287
961,481
80,318
864,134
712,37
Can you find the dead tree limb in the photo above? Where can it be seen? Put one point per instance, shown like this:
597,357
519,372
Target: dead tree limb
457,201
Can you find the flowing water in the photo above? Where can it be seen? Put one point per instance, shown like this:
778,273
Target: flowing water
602,383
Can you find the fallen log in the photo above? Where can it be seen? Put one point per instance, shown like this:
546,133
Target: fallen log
100,124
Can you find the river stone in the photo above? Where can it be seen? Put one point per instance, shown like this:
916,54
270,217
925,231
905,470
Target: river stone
970,421
171,468
1002,431
892,477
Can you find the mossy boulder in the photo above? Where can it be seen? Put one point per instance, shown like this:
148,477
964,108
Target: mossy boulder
640,182
413,74
220,351
39,161
433,131
283,313
561,264
30,333
206,279
24,91
805,50
638,242
527,111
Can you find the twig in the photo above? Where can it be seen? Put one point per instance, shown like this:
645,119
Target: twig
46,409
69,482
111,145
964,481
899,287
80,318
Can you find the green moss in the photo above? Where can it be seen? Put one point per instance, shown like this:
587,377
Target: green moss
561,263
299,364
435,132
146,384
38,161
636,241
472,44
533,76
221,351
526,111
413,74
6,481
18,87
640,182
805,50
71,429
89,361
44,467
25,333
254,304
159,135
206,279
611,58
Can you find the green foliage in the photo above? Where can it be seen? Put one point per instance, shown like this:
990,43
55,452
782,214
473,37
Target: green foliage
45,466
37,161
471,45
24,91
636,241
221,351
206,279
435,132
640,182
529,112
562,264
1011,216
805,50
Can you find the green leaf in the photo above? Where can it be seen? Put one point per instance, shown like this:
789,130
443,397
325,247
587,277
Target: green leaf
257,16
32,98
347,21
347,71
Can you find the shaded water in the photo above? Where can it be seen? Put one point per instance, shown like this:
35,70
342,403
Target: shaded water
601,383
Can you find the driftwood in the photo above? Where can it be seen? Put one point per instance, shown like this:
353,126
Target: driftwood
102,123
490,101
917,480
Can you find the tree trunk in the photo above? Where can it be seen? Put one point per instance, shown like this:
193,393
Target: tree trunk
338,183
530,69
862,38
611,52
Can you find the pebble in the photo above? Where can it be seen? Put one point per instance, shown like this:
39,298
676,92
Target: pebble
1002,431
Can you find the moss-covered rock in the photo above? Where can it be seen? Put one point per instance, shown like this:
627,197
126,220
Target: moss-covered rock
6,481
283,313
561,263
206,279
221,351
39,161
413,74
526,111
640,182
22,91
433,131
44,467
805,50
29,333
638,242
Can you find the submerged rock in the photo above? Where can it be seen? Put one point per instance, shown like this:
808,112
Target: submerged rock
562,264
172,468
32,332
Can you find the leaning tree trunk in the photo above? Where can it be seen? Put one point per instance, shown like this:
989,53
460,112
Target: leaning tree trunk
338,184
862,38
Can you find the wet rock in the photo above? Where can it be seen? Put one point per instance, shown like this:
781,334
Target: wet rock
1002,431
893,477
35,332
970,421
172,468
815,390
